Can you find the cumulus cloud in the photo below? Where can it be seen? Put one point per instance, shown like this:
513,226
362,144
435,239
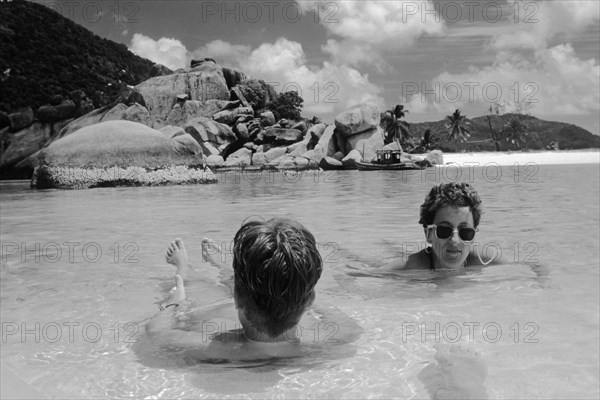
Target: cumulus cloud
530,68
283,55
395,23
224,53
555,81
356,54
365,32
169,52
417,104
326,89
541,22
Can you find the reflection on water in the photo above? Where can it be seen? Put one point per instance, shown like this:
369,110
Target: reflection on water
98,273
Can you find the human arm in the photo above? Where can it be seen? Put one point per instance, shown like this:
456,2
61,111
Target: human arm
397,264
418,260
476,257
164,328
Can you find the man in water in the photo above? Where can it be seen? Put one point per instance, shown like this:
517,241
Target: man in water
276,266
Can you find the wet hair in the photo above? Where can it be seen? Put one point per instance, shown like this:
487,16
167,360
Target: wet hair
456,194
276,266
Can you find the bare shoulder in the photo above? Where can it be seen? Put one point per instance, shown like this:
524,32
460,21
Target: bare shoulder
325,324
418,260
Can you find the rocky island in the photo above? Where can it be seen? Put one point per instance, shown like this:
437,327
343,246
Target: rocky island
170,128
106,117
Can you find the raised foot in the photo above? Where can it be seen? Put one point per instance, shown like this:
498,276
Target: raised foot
177,256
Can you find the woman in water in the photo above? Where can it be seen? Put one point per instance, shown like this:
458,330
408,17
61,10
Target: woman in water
450,216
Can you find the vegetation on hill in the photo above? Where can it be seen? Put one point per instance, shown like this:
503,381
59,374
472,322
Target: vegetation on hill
255,93
456,126
395,129
506,132
287,105
45,54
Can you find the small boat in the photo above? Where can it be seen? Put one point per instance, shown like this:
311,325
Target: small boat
388,160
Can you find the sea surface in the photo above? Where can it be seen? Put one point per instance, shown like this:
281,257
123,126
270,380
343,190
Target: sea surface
83,270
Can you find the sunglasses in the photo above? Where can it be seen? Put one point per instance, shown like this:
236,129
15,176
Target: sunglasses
445,232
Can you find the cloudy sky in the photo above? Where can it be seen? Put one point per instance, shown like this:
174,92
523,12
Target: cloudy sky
433,56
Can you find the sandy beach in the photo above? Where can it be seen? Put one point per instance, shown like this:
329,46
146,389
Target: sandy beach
591,156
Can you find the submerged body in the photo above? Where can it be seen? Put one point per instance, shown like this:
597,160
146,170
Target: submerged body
450,216
236,330
215,334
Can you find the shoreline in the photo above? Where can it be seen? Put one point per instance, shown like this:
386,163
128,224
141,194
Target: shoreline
541,157
481,159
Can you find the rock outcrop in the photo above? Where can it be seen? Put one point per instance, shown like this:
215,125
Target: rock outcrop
182,112
137,113
47,113
211,135
326,145
99,115
206,114
230,116
366,143
20,119
159,70
202,82
186,144
118,153
233,76
281,136
17,151
358,118
240,158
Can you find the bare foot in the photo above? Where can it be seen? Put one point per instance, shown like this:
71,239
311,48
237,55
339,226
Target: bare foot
177,256
213,253
459,374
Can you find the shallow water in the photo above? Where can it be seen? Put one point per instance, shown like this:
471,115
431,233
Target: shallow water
88,268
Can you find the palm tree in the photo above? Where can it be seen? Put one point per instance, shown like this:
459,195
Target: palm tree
395,129
427,141
456,127
495,136
516,129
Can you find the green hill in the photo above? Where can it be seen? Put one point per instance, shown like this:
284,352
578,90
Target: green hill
43,54
540,134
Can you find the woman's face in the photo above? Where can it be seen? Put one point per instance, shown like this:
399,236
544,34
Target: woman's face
451,252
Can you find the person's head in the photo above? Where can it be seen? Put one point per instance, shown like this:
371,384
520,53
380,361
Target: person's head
276,267
447,210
